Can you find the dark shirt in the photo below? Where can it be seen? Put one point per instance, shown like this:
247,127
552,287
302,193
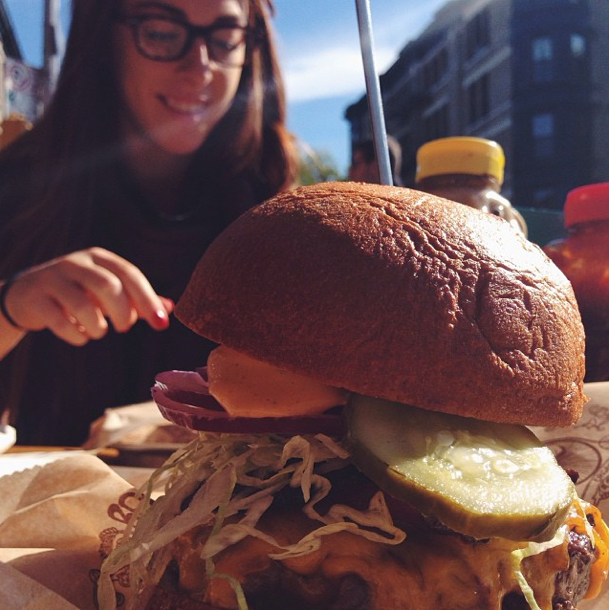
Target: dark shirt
53,390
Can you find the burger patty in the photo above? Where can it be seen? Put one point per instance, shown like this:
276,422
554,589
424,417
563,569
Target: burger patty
279,588
167,599
572,584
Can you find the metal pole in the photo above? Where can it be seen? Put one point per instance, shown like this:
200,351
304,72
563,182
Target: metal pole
53,43
373,88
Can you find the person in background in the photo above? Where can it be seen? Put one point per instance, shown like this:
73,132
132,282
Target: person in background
364,166
167,123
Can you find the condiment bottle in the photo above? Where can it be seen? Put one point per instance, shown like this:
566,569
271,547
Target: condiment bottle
583,256
467,170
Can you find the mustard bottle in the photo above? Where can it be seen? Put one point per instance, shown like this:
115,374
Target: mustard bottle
469,171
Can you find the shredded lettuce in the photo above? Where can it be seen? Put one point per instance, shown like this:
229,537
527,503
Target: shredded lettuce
227,482
534,548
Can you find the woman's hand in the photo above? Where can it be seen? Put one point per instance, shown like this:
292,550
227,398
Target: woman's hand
76,297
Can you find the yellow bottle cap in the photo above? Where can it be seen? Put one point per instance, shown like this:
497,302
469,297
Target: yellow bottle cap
460,155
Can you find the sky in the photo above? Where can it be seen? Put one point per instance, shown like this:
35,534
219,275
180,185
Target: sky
319,53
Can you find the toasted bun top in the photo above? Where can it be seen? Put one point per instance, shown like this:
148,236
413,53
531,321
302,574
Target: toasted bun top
397,294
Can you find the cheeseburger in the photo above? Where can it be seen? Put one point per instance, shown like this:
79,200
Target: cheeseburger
363,421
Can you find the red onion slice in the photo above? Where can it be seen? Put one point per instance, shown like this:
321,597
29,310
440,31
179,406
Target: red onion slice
183,398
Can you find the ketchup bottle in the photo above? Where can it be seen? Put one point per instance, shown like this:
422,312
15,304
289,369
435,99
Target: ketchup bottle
469,171
583,256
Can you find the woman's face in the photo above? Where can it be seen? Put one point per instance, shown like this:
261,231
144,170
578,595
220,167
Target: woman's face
175,104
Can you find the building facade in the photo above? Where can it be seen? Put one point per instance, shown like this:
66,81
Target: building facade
532,75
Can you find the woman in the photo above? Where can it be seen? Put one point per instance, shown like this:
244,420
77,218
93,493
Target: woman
168,121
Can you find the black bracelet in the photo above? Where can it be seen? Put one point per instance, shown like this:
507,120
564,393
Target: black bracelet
3,292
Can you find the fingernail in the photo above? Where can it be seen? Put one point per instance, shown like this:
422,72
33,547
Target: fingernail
161,318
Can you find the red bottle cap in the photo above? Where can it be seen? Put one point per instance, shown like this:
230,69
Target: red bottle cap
586,203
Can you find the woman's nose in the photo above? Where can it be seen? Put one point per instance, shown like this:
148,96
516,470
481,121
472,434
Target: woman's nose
198,57
203,50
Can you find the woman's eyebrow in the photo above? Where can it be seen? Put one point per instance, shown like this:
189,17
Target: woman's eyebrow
230,20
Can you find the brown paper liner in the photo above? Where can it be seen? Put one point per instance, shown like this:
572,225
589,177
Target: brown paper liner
57,523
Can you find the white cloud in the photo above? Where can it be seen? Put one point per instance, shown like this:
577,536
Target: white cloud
322,59
330,72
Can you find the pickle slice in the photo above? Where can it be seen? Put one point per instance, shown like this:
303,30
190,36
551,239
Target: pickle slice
478,478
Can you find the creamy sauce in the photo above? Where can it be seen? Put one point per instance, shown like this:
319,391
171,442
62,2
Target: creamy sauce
247,387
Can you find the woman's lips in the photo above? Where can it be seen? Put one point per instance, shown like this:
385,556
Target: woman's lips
185,107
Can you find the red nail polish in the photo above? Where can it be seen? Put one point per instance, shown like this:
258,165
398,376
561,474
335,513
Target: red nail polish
161,319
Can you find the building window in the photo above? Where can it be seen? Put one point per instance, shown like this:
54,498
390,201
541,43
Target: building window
435,69
477,33
577,45
543,135
542,49
543,59
478,99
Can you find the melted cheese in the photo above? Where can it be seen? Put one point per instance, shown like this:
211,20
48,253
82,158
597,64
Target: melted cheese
437,571
599,534
247,387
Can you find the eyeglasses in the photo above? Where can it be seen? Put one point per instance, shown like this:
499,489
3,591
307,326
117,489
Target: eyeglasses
167,39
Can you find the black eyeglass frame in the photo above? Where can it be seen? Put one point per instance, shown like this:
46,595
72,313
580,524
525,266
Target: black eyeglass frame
192,33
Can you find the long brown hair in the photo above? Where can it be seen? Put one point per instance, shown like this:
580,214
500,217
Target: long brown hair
65,158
